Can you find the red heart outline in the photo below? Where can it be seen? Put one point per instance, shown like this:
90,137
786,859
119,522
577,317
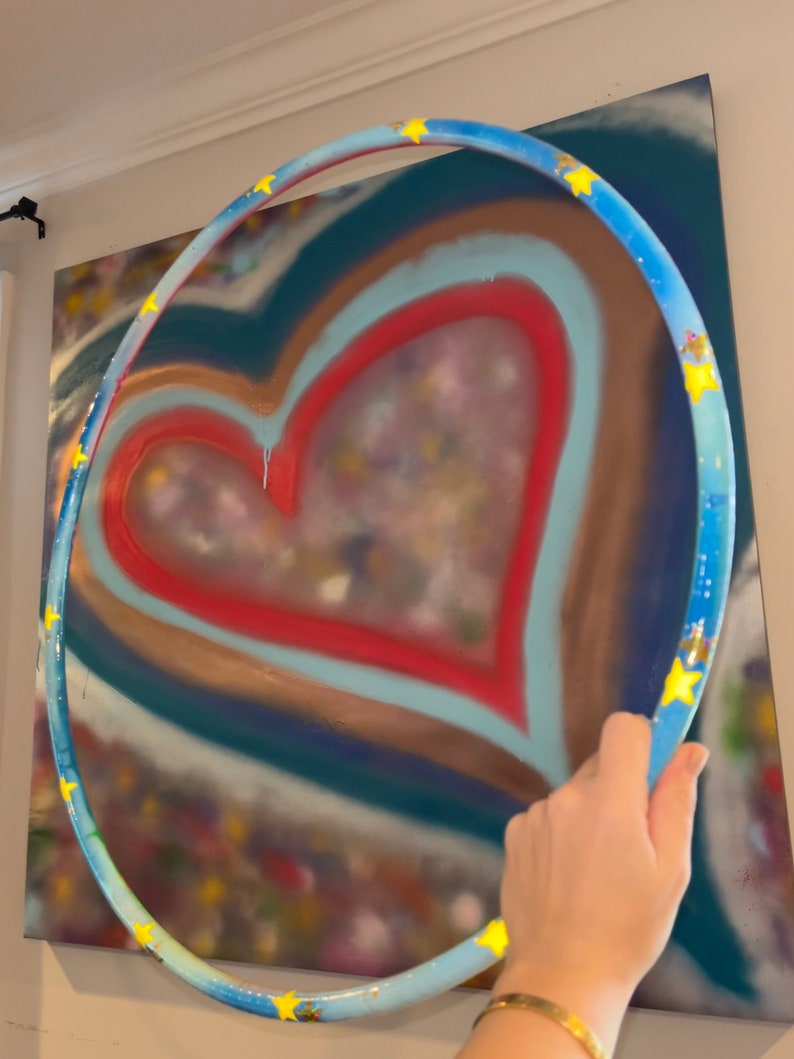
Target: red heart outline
499,685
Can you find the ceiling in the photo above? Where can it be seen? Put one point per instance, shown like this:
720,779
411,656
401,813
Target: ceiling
58,56
90,88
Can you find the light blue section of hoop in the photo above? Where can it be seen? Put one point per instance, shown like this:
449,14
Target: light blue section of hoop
710,579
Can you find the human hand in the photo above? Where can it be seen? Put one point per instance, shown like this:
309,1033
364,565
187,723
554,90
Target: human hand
595,873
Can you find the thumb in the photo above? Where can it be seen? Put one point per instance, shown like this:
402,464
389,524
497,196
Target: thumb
671,811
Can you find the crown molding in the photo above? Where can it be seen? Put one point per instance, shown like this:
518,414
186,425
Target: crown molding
350,47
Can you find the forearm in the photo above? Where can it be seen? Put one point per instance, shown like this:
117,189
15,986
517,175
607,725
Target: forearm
524,1034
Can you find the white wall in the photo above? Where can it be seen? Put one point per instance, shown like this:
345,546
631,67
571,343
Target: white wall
67,1003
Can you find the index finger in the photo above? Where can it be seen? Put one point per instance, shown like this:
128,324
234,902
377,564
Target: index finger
624,755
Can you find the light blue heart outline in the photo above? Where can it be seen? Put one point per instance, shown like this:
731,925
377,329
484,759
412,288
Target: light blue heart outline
471,258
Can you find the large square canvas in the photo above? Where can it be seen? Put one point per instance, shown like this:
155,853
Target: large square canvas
396,506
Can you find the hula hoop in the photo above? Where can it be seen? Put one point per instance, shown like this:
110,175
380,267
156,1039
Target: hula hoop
710,579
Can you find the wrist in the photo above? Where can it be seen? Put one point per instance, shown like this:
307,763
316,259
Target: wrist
600,1000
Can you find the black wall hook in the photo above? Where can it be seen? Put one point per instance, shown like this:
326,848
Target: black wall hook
25,209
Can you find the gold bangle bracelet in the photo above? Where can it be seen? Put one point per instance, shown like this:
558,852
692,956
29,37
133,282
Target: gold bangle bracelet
570,1022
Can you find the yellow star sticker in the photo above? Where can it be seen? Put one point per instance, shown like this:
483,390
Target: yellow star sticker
494,937
697,378
66,790
78,458
678,684
150,305
415,129
265,184
50,617
581,180
565,161
285,1005
143,933
697,345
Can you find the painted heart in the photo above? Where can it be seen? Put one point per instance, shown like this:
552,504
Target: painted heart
424,463
314,560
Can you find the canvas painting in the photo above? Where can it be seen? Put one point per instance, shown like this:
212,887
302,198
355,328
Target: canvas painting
397,504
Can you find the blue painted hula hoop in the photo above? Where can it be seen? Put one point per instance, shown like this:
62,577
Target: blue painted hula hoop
710,579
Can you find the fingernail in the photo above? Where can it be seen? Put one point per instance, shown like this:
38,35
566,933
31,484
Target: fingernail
696,759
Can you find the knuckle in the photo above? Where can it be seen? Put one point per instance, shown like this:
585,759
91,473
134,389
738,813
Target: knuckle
566,799
685,799
512,830
682,876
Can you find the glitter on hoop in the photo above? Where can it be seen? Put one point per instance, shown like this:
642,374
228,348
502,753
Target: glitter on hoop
686,679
